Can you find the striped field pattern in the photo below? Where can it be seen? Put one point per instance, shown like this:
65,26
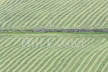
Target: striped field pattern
17,56
29,14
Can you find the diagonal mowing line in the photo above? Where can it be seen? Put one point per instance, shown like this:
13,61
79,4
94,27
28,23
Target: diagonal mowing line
85,53
4,42
40,56
102,61
54,12
78,69
41,15
51,65
63,63
102,12
60,60
106,52
11,3
2,2
25,12
8,53
9,19
97,60
10,42
34,16
26,17
77,61
18,6
31,1
73,11
14,2
65,15
96,9
76,55
4,16
16,43
20,19
82,10
57,64
91,59
58,9
90,13
13,39
11,61
6,2
79,53
64,7
22,59
104,21
98,12
14,18
90,19
103,64
52,58
34,21
74,66
5,52
28,58
47,14
18,52
31,60
53,53
105,68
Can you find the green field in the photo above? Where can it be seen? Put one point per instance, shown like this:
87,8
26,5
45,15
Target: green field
27,43
29,14
64,53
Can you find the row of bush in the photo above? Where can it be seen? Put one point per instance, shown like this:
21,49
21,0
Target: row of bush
55,30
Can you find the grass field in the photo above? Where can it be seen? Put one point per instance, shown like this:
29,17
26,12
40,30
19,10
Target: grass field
25,49
53,52
28,14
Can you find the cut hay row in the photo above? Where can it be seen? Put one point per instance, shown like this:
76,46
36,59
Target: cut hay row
93,57
27,14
